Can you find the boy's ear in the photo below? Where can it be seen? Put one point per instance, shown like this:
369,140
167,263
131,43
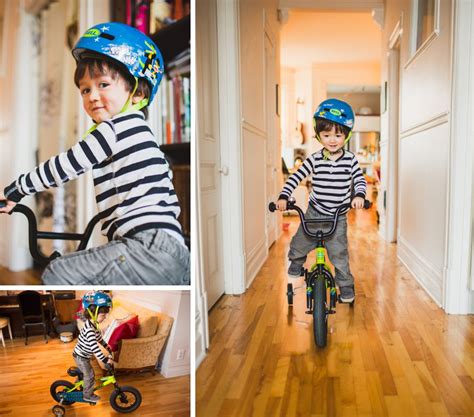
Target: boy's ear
137,97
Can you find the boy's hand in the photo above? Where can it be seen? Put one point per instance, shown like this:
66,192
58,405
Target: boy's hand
357,203
8,205
281,204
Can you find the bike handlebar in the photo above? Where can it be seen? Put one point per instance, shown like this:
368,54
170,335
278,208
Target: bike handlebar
34,234
304,222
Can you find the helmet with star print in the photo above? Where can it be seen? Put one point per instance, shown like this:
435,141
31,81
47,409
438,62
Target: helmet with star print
126,45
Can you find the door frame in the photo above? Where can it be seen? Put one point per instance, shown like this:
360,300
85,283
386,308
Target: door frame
458,294
230,130
392,190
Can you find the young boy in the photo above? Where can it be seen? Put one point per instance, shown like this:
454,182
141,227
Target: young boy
118,73
336,179
96,306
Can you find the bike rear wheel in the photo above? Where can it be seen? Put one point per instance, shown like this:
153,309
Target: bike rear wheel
60,386
320,316
125,400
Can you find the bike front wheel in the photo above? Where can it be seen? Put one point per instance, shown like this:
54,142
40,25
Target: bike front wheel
125,400
320,316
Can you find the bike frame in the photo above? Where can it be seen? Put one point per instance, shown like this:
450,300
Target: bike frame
320,270
105,380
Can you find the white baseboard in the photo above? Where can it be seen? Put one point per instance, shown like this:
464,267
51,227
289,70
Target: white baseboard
255,260
429,277
200,356
174,371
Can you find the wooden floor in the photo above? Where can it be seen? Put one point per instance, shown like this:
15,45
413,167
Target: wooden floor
28,277
395,353
26,373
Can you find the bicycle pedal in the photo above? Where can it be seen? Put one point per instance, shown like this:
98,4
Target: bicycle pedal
308,312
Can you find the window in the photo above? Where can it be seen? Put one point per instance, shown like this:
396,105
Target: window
425,22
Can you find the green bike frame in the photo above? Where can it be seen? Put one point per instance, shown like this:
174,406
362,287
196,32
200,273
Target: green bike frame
105,380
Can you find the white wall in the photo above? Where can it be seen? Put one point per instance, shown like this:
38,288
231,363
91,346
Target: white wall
425,91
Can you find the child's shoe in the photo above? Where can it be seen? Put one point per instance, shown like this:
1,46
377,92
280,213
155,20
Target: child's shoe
92,399
347,294
295,270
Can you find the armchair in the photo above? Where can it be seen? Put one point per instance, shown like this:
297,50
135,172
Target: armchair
142,353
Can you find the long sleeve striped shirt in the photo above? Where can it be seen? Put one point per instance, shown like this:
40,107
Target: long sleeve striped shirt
88,342
333,182
132,179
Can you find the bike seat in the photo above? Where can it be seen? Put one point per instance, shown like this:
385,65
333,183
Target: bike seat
75,371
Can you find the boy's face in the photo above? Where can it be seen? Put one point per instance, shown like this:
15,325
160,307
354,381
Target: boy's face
101,317
332,140
103,97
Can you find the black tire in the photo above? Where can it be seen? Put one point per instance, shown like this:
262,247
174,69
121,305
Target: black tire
289,294
125,400
59,386
59,411
320,317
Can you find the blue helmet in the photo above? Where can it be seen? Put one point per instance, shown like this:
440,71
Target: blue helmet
96,298
336,111
126,45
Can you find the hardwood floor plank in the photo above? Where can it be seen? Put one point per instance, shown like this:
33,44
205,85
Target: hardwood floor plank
394,354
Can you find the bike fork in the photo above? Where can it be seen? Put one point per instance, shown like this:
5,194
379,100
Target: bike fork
309,294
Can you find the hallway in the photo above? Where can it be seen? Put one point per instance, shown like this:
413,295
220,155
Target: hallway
394,354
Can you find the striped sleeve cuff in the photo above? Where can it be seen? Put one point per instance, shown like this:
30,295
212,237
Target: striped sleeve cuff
11,193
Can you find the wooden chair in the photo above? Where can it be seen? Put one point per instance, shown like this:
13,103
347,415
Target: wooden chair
4,322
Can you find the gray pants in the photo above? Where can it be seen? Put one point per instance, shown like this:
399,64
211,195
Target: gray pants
151,257
336,247
89,376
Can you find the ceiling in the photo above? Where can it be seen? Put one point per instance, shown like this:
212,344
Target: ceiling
325,36
347,5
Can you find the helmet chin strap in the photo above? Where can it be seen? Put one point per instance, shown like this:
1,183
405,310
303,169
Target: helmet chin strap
127,107
94,316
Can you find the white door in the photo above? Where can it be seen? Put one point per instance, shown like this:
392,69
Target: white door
271,151
208,154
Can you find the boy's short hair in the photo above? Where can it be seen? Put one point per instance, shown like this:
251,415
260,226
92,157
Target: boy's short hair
92,309
323,125
97,65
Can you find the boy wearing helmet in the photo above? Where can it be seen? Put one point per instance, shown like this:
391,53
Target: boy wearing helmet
118,73
96,305
336,179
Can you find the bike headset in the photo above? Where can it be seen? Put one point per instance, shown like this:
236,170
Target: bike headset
336,111
95,300
132,49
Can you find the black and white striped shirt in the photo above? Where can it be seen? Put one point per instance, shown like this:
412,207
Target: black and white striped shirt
88,342
132,178
333,182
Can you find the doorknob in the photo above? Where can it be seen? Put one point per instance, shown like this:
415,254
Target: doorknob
224,170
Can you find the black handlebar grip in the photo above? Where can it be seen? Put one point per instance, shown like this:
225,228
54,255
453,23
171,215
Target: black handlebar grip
367,204
3,203
272,207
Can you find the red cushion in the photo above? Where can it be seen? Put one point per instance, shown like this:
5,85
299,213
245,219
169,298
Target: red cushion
127,330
